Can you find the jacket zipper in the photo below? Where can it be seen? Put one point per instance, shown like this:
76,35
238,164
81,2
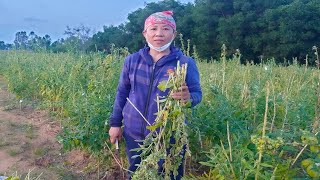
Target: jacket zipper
143,128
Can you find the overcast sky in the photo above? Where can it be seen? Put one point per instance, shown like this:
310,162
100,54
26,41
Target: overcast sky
53,16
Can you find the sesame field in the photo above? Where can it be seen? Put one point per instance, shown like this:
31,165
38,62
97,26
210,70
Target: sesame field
256,121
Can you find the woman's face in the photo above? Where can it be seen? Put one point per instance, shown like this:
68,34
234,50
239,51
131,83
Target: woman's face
159,34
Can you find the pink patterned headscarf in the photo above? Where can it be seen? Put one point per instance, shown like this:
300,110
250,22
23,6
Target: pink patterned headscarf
164,17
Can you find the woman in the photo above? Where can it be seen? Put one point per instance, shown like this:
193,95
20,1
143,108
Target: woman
141,73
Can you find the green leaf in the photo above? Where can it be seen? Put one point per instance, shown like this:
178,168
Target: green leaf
289,149
188,104
207,164
12,178
176,113
137,149
266,165
162,86
155,126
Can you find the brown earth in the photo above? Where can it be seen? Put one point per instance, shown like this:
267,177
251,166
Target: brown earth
28,145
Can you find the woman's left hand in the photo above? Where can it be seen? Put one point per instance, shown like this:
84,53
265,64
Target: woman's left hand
183,94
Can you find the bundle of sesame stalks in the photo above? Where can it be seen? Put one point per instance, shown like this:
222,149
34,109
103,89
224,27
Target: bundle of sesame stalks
168,137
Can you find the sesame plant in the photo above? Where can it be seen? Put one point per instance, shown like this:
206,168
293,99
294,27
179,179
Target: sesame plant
256,121
168,137
261,121
76,88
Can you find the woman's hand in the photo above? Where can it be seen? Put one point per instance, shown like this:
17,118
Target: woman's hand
183,94
115,133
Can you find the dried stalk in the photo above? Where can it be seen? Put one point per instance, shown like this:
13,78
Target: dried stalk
138,112
263,131
316,122
117,161
229,141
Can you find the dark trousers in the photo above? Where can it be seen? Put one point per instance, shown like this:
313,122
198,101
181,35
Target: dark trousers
131,144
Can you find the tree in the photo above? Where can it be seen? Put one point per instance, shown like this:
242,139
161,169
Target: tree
46,41
4,46
111,35
77,38
21,40
259,28
58,46
205,15
287,31
37,43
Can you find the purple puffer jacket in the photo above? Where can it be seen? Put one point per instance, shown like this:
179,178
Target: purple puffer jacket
139,80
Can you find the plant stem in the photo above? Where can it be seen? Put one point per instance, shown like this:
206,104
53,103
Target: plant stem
316,122
294,161
263,132
138,112
229,141
231,167
274,109
117,161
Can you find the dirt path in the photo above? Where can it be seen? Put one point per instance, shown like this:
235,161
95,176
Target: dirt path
28,143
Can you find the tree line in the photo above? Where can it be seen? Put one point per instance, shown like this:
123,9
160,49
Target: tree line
280,29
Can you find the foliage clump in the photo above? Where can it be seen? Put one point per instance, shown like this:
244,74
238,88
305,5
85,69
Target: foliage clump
168,137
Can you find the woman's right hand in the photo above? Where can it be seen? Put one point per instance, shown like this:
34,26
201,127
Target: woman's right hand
115,133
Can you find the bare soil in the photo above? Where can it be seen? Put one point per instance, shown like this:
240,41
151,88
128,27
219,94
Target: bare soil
28,144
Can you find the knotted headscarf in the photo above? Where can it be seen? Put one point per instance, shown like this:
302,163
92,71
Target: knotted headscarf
164,17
